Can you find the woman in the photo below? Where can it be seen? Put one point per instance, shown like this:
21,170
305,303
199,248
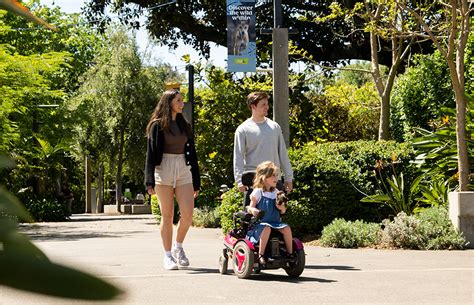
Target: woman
171,171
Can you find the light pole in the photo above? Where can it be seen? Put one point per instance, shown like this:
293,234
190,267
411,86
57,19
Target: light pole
280,73
281,93
190,69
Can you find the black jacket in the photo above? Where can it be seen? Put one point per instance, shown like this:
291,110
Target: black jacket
154,155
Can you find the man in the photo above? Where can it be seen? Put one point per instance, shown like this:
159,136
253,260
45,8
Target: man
260,139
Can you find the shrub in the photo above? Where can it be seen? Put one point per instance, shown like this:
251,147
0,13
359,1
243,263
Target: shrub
46,209
231,203
402,232
431,229
155,208
330,179
346,234
439,231
416,103
206,217
351,112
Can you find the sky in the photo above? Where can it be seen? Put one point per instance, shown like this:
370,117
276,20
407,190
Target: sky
172,57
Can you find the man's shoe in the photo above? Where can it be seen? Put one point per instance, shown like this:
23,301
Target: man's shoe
169,263
180,257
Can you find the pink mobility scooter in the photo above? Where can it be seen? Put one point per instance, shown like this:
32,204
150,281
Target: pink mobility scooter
244,253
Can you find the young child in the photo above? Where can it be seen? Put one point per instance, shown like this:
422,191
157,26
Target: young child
263,198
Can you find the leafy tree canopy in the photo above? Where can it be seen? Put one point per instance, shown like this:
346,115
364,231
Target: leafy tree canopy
113,105
74,36
199,22
40,67
25,82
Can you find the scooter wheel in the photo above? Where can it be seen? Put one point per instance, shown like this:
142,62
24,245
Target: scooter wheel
223,263
297,268
243,260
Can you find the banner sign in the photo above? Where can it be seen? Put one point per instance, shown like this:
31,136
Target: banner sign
241,36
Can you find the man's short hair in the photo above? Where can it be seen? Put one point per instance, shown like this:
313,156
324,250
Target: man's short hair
255,97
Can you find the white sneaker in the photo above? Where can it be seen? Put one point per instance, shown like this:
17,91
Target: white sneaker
169,263
179,255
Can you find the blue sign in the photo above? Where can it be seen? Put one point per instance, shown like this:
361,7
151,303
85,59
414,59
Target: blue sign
241,36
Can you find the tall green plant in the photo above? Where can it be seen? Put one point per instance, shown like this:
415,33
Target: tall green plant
24,266
435,189
392,189
436,150
450,35
113,106
41,67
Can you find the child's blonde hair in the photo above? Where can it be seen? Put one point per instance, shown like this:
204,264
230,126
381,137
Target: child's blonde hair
264,170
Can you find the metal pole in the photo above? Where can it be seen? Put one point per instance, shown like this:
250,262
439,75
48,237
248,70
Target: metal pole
191,91
88,186
280,73
277,14
280,82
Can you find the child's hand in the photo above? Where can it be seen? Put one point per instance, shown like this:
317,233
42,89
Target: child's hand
281,199
253,211
259,214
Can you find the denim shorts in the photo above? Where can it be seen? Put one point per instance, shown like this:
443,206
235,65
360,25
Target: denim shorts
173,171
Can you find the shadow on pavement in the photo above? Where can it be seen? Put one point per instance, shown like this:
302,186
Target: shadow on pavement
201,270
283,278
67,233
263,276
335,267
107,218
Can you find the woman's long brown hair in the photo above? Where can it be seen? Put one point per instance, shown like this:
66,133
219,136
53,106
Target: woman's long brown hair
162,114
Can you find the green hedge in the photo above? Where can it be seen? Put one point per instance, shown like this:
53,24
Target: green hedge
329,179
326,178
46,209
231,203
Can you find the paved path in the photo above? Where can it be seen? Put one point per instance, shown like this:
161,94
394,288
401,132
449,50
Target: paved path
127,251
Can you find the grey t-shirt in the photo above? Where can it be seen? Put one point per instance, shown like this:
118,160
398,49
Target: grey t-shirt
258,142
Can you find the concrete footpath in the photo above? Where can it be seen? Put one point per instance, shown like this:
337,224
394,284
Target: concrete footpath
127,251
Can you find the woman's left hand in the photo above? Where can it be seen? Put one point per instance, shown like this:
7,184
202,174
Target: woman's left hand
150,190
196,193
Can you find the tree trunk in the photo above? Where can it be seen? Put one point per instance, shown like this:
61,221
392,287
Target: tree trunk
384,127
463,160
384,101
456,69
457,77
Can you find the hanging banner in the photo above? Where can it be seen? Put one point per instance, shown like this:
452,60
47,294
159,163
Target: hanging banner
241,36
